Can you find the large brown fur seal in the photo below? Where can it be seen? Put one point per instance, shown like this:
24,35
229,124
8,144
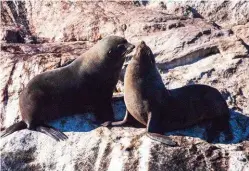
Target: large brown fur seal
162,110
85,84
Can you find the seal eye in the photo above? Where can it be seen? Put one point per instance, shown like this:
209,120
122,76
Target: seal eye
121,46
118,50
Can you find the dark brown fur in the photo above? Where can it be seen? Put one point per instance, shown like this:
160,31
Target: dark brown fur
85,84
162,110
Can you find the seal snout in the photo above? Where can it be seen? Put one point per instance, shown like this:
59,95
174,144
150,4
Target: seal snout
130,47
142,43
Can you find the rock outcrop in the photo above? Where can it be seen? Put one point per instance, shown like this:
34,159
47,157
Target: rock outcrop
194,42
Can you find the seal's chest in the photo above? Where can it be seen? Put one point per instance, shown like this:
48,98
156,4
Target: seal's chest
137,107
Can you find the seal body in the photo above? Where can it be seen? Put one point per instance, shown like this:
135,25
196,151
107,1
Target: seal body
192,104
84,85
162,110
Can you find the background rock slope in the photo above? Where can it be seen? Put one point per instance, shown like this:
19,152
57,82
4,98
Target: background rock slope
204,42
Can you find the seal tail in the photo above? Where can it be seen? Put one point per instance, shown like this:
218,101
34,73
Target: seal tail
13,128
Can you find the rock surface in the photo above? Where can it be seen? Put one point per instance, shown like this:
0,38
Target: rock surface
194,42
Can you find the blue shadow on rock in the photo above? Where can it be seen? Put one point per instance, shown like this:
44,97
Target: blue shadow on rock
77,123
86,122
239,125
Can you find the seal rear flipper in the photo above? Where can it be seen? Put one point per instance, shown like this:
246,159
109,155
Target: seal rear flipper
52,132
218,125
15,127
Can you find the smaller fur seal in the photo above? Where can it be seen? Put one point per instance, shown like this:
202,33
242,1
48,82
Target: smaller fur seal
85,84
162,110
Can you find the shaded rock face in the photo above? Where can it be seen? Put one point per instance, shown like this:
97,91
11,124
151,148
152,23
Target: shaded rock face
194,42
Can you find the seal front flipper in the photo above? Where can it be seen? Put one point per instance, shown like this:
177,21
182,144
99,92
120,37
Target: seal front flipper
155,129
52,132
15,127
